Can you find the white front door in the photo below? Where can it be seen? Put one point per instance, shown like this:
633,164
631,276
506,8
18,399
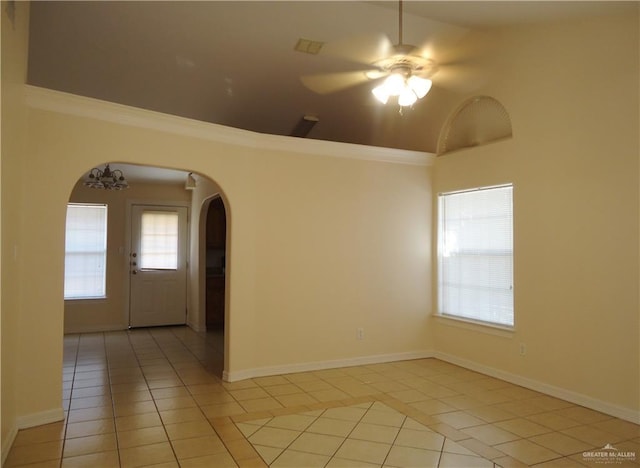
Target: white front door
158,266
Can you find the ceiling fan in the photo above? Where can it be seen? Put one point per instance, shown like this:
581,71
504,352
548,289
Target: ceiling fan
408,74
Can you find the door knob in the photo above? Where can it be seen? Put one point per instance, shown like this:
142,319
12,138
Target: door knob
134,272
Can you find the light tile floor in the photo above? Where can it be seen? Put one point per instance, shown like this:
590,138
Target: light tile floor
152,397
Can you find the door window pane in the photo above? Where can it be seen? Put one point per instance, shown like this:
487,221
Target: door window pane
159,241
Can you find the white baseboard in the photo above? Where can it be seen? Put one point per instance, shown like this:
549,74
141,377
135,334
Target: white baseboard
27,421
38,419
7,443
94,329
611,409
234,376
574,397
196,328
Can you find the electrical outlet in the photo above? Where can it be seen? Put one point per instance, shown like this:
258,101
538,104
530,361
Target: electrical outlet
360,333
523,349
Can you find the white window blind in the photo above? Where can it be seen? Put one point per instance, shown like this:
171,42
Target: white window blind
159,240
85,251
475,255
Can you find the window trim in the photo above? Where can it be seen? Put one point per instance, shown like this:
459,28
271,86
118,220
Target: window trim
488,328
470,323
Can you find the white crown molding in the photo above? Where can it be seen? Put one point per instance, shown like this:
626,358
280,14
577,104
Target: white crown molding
80,106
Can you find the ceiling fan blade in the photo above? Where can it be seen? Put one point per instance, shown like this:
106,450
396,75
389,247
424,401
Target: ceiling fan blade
368,48
460,77
459,64
331,82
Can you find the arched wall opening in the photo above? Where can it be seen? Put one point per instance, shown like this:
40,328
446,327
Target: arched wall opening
148,186
214,284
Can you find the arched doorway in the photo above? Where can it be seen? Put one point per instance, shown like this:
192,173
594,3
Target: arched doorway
154,187
215,275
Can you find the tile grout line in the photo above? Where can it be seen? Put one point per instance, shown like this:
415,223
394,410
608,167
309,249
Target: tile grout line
113,403
292,442
396,438
385,398
331,405
227,444
144,376
68,411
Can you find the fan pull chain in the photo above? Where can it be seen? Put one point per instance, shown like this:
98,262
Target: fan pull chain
401,109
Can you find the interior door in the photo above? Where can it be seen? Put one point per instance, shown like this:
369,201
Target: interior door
158,266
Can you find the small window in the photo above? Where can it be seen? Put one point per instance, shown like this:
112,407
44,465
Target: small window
475,255
159,241
85,251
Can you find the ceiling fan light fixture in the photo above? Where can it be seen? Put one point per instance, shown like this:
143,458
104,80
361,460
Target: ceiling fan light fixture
407,97
402,69
408,90
395,84
420,86
380,93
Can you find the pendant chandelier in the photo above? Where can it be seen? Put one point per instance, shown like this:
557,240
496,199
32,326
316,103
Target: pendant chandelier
106,179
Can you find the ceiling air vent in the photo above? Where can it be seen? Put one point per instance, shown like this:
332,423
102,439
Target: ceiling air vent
304,126
308,46
478,121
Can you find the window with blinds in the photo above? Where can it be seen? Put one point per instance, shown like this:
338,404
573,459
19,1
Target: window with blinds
85,251
475,255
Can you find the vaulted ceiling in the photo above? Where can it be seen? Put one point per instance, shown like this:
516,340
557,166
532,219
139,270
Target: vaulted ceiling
234,62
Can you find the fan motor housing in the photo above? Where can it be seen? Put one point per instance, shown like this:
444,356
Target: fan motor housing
408,63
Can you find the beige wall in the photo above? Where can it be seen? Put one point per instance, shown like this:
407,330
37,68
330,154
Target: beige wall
321,245
14,133
345,245
111,313
572,93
